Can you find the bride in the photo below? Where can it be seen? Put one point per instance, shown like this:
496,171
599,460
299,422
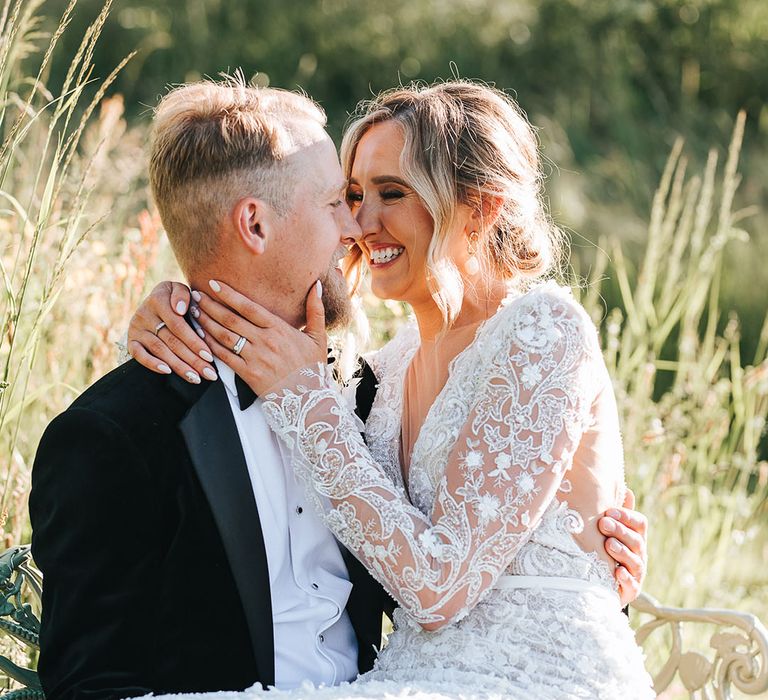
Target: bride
493,442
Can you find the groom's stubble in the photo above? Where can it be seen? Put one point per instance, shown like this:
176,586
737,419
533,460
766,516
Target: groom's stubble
335,297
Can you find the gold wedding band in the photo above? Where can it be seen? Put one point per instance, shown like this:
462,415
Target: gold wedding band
239,345
159,326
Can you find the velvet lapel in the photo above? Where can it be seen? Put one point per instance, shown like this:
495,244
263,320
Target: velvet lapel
214,448
366,390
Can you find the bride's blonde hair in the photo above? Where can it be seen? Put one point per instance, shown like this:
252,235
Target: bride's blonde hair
466,144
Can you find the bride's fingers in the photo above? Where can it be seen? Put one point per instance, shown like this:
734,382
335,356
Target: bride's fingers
151,350
179,297
225,330
184,337
315,327
137,352
229,358
248,309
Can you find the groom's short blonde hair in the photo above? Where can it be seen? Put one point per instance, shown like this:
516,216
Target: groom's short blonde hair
215,143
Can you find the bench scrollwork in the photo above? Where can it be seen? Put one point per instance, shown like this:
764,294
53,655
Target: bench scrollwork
738,656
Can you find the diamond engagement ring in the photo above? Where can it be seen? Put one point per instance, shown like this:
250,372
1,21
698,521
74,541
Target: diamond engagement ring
159,326
239,345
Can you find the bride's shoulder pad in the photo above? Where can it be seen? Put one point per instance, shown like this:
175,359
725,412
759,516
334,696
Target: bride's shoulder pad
540,319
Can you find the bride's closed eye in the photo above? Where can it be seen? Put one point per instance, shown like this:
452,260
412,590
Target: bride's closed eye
391,195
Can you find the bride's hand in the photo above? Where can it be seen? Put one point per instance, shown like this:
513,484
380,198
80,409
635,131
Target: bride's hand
273,349
160,339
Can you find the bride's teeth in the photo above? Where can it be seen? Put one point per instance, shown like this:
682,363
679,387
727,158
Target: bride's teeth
385,254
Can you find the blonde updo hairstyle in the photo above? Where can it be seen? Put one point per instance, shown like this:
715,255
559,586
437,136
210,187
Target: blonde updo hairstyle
466,144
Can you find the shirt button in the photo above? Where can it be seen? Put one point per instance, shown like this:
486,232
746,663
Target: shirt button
299,510
315,586
321,638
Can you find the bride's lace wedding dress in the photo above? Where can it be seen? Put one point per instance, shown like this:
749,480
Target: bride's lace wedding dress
497,598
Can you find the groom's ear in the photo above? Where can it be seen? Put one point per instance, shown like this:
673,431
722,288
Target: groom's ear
252,222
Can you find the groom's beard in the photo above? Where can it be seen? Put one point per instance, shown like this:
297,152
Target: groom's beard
338,307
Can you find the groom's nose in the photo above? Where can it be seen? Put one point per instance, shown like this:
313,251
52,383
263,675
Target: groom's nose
350,229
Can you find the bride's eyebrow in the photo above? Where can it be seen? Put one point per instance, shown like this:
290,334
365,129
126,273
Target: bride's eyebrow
385,179
382,180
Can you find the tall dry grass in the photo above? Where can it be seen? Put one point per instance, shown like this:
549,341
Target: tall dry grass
694,411
74,255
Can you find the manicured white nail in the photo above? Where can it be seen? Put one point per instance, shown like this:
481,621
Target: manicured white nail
609,525
193,377
215,286
197,296
613,513
319,289
206,355
181,308
200,332
165,369
195,312
208,373
614,546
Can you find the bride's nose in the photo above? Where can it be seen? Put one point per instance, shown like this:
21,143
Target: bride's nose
367,216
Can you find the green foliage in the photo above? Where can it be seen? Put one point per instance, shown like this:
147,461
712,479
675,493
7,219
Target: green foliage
611,83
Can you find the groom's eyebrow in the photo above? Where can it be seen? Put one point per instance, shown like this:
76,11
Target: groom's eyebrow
333,190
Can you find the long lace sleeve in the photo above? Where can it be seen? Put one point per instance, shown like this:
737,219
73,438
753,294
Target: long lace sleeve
525,422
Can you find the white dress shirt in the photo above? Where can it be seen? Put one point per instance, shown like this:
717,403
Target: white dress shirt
309,583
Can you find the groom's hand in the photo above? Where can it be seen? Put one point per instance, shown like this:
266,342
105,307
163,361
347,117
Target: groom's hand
626,532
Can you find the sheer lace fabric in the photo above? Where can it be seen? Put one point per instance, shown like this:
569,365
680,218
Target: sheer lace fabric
425,376
526,405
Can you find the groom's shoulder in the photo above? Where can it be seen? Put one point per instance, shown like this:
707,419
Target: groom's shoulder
130,394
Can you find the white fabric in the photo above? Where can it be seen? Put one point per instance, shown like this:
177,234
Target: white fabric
557,583
314,638
487,497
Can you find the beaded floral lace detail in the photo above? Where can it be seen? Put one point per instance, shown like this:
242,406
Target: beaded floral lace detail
485,470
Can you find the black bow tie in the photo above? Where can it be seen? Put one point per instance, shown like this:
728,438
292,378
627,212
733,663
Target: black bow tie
245,395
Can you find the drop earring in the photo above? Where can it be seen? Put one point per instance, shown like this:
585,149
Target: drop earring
472,266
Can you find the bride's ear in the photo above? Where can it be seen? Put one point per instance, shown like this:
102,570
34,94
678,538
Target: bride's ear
486,213
252,224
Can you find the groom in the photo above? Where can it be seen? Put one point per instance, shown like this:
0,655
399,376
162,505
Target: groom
177,550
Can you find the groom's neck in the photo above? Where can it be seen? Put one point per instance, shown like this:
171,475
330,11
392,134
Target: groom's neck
254,286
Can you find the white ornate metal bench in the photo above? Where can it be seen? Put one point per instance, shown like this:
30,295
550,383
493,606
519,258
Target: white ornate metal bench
737,656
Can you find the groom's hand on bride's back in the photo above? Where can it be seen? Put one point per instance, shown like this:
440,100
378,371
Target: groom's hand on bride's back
161,339
626,541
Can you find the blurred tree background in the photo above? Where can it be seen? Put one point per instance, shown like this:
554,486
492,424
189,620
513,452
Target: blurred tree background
610,84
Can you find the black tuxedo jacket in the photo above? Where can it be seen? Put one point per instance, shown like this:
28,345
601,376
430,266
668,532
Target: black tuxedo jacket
147,532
